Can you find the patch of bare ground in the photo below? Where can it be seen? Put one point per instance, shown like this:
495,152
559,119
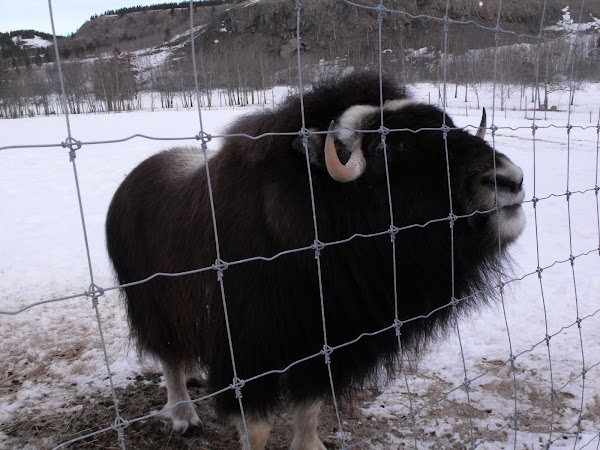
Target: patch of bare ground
444,419
145,395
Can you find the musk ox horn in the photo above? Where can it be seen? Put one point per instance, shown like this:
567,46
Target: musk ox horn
353,169
482,126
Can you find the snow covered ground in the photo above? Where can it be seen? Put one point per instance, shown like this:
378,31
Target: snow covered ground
51,359
34,42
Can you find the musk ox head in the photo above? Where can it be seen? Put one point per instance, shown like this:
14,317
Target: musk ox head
425,158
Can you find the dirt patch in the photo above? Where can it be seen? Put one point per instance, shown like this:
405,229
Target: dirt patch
444,418
146,395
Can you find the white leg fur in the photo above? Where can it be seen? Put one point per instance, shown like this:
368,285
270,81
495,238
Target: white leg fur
258,432
306,416
183,415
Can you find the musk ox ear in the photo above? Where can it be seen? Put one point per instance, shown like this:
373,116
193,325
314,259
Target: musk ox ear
315,145
482,126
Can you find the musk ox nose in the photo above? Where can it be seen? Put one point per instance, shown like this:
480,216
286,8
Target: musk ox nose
504,183
503,187
512,182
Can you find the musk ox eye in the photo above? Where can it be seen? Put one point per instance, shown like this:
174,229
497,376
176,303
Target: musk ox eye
377,147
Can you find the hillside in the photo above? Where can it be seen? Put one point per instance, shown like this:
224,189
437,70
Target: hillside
263,32
329,28
273,23
244,47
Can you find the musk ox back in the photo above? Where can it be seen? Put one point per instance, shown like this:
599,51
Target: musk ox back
160,220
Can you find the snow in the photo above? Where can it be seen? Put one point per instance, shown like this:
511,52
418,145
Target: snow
35,42
151,58
570,26
422,52
146,60
55,351
187,33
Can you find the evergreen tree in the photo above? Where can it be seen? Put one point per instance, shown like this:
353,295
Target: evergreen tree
4,78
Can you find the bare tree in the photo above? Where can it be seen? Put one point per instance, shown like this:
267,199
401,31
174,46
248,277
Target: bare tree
114,83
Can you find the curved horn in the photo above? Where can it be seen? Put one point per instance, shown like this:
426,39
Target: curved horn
353,169
482,126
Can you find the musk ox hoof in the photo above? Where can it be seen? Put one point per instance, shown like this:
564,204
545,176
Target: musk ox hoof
185,420
193,431
191,428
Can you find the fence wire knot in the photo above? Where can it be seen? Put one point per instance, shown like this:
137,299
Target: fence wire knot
327,351
445,128
204,137
220,266
451,219
539,271
497,32
453,302
120,424
516,420
305,133
381,10
237,385
73,145
398,325
572,259
547,339
467,383
94,292
318,246
535,201
447,21
494,128
534,128
393,230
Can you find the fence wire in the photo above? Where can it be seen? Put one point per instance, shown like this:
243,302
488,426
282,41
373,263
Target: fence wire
95,292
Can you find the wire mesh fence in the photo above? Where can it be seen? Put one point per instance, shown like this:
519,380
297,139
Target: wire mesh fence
507,431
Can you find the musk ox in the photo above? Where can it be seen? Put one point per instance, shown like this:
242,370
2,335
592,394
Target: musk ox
160,220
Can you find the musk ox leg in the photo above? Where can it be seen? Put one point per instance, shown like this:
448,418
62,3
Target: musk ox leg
184,417
258,431
306,416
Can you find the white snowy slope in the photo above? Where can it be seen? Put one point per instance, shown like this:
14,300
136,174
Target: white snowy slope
55,348
34,42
